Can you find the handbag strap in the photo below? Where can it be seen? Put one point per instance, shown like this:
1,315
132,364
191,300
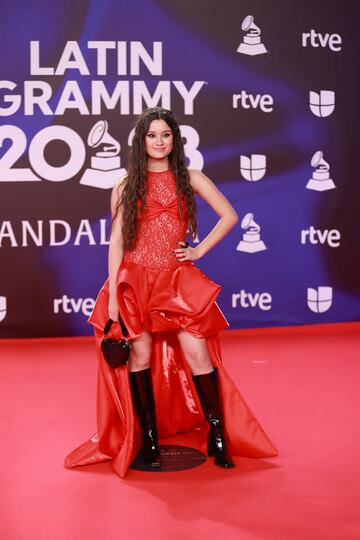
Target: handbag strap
122,324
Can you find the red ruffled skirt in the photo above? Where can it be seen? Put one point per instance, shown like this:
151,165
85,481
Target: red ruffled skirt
163,301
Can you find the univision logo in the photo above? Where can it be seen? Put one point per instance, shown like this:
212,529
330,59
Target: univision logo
319,300
253,168
2,308
322,104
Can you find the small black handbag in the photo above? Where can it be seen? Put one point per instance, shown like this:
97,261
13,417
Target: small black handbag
116,351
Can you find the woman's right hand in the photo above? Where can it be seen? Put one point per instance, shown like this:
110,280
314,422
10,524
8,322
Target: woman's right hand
113,309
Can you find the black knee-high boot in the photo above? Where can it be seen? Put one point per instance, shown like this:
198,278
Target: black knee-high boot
207,389
144,405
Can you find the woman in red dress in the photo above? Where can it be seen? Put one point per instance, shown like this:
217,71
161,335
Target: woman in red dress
175,380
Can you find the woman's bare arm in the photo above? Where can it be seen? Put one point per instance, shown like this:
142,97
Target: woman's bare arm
116,250
203,186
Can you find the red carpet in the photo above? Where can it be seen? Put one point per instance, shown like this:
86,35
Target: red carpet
302,384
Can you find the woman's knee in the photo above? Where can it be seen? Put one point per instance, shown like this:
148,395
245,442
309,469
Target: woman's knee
196,352
140,353
198,359
138,363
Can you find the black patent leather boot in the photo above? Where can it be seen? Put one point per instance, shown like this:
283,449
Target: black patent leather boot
144,405
207,389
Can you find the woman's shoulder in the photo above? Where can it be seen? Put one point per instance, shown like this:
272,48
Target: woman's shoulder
121,182
119,185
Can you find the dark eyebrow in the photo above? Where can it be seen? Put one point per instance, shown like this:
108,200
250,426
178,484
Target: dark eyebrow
165,131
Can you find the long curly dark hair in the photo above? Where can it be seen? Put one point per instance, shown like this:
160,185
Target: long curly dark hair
135,182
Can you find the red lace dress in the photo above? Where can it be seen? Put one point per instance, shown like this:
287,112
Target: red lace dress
161,294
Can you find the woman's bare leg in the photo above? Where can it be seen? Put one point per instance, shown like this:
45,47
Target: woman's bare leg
140,353
196,352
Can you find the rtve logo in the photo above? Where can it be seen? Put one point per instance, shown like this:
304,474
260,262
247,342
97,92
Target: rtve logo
253,168
316,236
246,299
73,305
322,104
249,101
3,308
317,39
319,300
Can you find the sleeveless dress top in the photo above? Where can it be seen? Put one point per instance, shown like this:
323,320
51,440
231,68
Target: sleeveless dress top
161,226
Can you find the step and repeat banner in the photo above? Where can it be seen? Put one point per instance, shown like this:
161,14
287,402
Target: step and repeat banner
266,93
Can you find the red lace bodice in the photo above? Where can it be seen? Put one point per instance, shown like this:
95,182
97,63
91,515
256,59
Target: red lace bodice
161,226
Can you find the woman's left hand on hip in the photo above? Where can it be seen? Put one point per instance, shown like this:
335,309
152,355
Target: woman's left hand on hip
185,252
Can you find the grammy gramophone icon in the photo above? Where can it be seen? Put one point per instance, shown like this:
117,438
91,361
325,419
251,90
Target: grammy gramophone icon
251,242
251,44
105,164
3,308
320,180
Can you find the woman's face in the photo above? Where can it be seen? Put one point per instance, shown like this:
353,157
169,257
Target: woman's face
158,140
